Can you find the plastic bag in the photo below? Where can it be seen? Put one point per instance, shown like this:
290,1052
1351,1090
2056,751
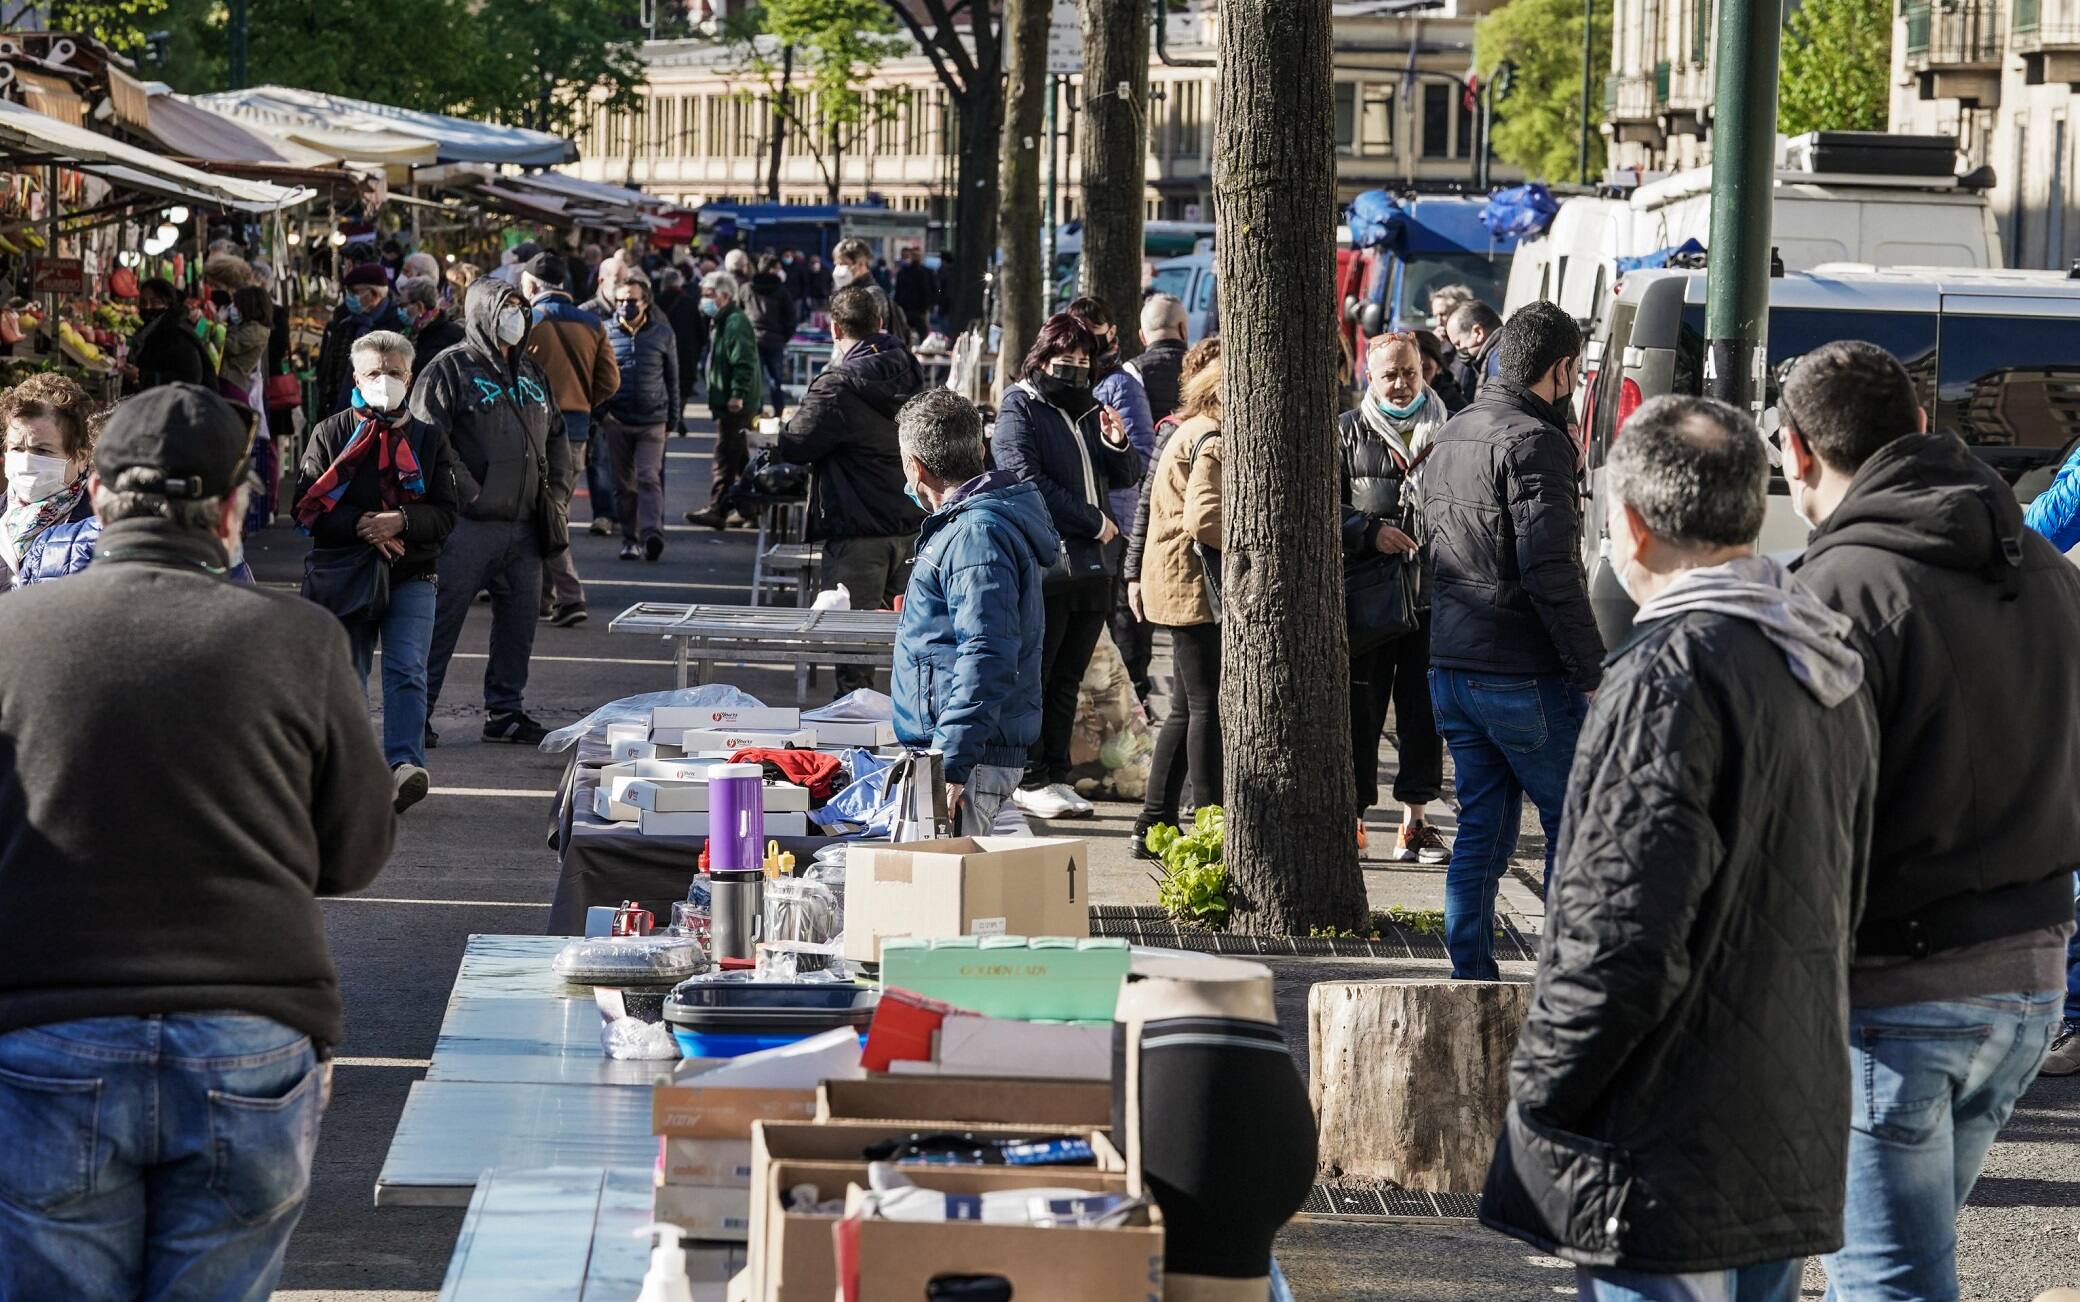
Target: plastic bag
864,705
1520,211
1377,220
1110,744
636,709
838,598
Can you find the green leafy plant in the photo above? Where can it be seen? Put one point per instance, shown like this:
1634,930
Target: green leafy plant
1193,885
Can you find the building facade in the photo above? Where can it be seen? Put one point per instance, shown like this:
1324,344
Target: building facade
1657,98
705,129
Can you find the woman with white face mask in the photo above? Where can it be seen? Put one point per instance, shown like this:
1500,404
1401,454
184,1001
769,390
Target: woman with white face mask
375,477
46,422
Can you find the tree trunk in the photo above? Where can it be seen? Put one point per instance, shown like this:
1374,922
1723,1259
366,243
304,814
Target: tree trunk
781,103
1115,157
1022,296
1291,848
975,207
1409,1079
834,175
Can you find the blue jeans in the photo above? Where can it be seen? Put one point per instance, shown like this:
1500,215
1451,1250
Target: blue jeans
1776,1281
406,630
599,476
1510,736
1933,1084
2073,959
772,358
153,1157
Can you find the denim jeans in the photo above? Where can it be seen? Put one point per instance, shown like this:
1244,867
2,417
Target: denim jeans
406,631
599,475
2073,959
1933,1084
153,1157
1775,1281
988,787
772,358
505,557
1510,736
637,452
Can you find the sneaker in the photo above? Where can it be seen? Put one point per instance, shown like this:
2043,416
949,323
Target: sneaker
630,551
433,739
653,547
568,616
1421,843
708,519
2064,1058
1043,802
1077,804
412,782
601,528
513,726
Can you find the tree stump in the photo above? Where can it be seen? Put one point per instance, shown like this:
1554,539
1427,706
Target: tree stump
1410,1078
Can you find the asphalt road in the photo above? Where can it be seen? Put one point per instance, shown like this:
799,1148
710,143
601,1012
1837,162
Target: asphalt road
472,859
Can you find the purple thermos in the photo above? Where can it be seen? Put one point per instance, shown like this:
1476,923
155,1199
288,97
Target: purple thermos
736,861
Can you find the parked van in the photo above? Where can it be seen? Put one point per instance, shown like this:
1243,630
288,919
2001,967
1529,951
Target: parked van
1994,356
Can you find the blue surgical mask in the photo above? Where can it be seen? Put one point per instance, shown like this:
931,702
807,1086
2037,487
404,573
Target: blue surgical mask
709,307
910,491
1403,413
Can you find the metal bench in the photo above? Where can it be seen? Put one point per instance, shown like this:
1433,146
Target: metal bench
764,635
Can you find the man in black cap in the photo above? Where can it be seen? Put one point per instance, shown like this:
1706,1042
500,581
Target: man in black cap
160,1093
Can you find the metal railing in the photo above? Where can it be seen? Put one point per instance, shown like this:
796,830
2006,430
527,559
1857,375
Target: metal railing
1949,33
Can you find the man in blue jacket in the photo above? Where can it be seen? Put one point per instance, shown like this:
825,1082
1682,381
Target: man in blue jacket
967,666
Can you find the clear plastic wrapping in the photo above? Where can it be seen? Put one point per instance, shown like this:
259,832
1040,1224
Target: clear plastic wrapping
630,960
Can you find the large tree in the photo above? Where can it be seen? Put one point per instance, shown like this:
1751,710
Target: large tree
543,65
1291,854
966,49
1832,74
119,24
1115,155
1539,127
1022,287
812,61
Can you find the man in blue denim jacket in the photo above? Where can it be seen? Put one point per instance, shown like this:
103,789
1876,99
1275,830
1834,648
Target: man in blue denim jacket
966,680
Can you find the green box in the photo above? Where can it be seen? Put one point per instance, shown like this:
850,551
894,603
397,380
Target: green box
1037,978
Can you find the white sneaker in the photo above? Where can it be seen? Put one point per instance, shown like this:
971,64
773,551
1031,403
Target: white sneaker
411,782
1077,804
1043,802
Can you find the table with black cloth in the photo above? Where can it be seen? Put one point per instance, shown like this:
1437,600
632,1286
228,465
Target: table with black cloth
606,863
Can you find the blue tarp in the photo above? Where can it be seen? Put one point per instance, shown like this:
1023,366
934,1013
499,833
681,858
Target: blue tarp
1660,257
1519,212
1377,220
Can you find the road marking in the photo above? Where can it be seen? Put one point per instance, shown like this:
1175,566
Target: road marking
509,792
563,660
413,1064
661,583
393,899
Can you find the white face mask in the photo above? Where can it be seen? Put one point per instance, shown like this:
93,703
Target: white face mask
31,476
512,326
383,392
841,276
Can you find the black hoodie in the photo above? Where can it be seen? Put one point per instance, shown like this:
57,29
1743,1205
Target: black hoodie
495,406
845,428
1967,621
771,308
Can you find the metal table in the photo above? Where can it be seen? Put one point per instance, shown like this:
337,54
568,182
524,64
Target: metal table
747,635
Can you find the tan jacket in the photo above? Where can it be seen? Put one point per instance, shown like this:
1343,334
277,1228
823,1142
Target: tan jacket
1184,507
570,345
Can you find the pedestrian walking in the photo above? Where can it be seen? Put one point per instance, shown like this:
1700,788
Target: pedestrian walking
1961,949
773,319
160,1097
967,674
375,478
494,405
845,432
915,292
734,391
1054,433
434,330
1118,386
570,346
853,264
1475,333
366,305
1177,592
164,350
643,412
248,322
1679,1099
1514,650
682,311
1382,443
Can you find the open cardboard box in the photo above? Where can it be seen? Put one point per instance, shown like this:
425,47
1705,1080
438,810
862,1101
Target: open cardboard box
792,1256
965,886
967,1100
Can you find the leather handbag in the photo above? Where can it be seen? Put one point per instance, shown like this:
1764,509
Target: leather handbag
353,582
1380,599
283,390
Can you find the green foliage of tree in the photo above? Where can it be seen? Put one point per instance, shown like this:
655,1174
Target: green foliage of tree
537,63
1538,128
119,24
1832,75
811,62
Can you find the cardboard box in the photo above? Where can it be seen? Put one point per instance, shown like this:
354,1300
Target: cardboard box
690,795
897,1260
705,1213
996,1046
868,733
969,1100
964,886
761,718
612,810
1050,978
717,1163
678,770
697,824
686,1108
732,740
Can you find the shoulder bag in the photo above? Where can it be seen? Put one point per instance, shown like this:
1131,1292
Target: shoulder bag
1382,592
1209,557
353,582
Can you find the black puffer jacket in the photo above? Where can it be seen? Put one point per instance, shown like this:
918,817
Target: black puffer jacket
494,405
1159,366
1680,1093
427,522
771,309
1508,593
845,429
1969,657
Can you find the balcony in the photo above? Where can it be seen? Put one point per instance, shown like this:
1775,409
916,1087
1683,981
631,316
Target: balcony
2048,43
1954,50
1630,102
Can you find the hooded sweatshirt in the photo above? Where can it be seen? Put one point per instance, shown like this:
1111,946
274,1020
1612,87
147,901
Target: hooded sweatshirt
845,430
495,406
1762,591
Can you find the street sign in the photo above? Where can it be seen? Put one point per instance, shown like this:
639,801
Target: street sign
1064,41
57,276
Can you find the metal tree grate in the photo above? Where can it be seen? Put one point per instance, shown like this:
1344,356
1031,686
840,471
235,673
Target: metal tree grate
1340,1201
1146,924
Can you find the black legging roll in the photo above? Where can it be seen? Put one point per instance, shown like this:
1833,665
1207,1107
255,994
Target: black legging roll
1191,735
1398,671
1075,619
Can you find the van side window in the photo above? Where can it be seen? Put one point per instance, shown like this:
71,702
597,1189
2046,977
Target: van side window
2010,387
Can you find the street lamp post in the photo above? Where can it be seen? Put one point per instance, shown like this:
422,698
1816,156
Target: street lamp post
1744,140
1588,69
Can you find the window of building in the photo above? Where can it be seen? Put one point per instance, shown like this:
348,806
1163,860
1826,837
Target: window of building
1187,108
1346,117
1376,120
1437,119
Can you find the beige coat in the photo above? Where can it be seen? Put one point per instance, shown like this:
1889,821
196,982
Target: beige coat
1184,507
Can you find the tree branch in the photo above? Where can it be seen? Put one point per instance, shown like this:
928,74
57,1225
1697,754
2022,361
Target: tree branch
948,36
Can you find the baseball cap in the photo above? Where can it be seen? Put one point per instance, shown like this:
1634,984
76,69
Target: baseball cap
547,268
194,438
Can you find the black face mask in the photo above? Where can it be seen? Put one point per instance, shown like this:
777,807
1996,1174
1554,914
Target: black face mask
1067,386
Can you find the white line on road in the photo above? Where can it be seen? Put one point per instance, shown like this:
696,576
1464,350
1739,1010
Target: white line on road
509,792
661,583
414,1064
392,899
563,660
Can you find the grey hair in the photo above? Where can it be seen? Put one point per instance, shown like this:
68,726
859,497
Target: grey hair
1162,312
389,343
1694,469
131,498
942,430
720,283
737,263
418,289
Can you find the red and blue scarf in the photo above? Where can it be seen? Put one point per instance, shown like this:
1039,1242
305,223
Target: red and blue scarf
398,476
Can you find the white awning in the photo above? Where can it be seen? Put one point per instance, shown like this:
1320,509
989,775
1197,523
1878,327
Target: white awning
456,140
26,132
